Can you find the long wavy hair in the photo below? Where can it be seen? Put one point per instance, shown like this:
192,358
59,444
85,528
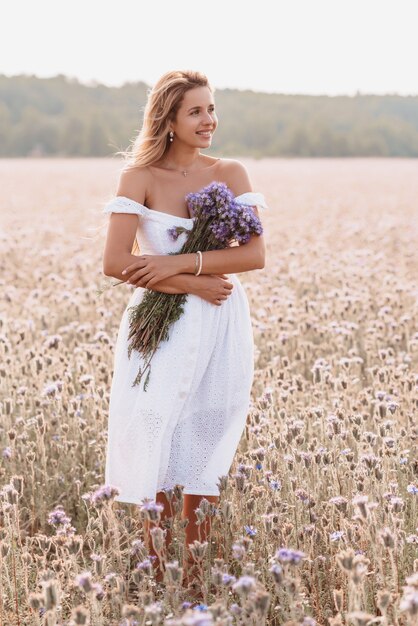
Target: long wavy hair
163,102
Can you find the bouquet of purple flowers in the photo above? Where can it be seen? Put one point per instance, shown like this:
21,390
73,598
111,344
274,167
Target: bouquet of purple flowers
219,221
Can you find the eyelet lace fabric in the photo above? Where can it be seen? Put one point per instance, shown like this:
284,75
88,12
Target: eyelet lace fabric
186,427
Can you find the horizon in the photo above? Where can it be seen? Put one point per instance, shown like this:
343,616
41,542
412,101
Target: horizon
92,83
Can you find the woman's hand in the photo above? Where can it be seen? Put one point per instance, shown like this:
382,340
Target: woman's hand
215,288
149,269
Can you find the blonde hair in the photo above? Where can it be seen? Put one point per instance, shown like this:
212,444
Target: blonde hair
163,102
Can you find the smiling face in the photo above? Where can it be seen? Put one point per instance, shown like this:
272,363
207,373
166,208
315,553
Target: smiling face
196,119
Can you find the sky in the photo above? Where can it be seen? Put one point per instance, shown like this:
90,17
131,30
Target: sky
313,47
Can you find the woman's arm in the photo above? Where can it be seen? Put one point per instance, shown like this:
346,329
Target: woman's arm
243,258
180,283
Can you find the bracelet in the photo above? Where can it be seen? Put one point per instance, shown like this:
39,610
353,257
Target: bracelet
200,263
196,265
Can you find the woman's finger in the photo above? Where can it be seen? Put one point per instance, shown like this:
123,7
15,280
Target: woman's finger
141,263
138,275
154,280
143,280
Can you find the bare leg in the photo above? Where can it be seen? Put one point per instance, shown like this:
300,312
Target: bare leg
191,502
168,512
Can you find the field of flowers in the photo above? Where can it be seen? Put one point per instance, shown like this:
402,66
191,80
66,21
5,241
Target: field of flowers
317,522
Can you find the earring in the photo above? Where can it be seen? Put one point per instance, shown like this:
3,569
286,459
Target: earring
171,135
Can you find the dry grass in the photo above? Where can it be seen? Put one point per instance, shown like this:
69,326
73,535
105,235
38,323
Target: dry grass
317,522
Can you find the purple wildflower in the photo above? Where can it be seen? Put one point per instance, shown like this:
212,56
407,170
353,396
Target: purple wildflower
151,509
244,585
204,620
84,581
412,489
103,493
228,579
336,535
175,232
250,530
58,516
286,555
7,452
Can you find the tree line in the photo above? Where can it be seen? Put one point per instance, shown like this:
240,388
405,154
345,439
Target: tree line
60,116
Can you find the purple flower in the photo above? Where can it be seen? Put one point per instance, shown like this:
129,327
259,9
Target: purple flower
286,555
151,509
336,535
244,585
103,493
228,579
412,489
175,231
7,452
58,516
85,581
228,220
250,530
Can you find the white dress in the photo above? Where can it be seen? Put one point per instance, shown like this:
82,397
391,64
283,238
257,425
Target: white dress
185,428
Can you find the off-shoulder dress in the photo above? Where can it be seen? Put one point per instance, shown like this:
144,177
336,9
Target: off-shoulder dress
185,428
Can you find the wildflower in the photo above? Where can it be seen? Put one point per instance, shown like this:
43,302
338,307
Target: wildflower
392,406
151,509
58,516
286,555
303,495
98,591
258,466
337,535
228,579
409,601
412,489
244,585
7,452
361,502
277,572
275,485
238,551
340,502
387,538
84,581
51,389
103,494
175,232
250,530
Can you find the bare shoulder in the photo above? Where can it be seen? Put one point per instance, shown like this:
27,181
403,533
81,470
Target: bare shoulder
235,175
134,183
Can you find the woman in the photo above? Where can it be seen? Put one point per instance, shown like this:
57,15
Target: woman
186,427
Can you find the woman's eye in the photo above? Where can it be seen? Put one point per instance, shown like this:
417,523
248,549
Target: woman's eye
210,110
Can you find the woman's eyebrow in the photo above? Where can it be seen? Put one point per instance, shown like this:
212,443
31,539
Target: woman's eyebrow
198,107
